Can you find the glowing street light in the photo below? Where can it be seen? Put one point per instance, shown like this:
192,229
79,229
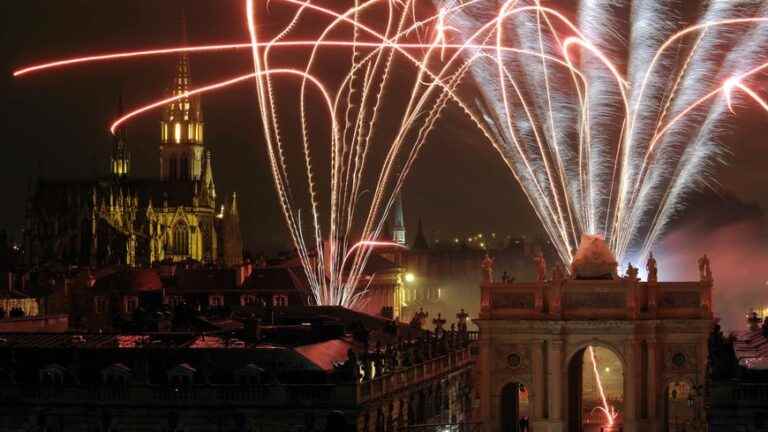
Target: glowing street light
410,278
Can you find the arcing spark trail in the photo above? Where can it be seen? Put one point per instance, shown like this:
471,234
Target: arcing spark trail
596,150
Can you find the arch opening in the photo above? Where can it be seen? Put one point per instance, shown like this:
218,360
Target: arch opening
595,390
515,408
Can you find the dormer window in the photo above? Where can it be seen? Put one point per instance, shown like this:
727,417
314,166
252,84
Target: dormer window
99,305
52,375
215,300
279,300
182,375
250,375
247,299
116,374
174,300
130,303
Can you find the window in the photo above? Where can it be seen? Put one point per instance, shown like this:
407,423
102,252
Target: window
177,132
215,300
173,168
173,300
184,168
131,303
181,239
279,300
52,374
99,305
247,299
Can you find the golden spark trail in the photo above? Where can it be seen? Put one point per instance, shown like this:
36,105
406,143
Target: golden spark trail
610,413
532,98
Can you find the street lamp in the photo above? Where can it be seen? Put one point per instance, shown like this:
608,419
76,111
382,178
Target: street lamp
410,278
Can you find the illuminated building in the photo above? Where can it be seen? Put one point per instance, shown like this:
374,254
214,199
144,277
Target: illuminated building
534,335
126,220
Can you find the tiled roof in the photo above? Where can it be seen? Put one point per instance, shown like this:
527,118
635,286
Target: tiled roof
752,349
205,279
325,354
271,279
133,280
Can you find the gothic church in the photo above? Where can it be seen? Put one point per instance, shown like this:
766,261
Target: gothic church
123,220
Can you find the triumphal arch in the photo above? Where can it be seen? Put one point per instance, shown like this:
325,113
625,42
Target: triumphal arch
533,336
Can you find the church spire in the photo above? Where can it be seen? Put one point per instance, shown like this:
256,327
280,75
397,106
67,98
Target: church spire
121,157
420,242
398,221
181,148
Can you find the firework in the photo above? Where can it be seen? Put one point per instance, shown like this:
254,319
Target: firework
604,136
607,152
608,410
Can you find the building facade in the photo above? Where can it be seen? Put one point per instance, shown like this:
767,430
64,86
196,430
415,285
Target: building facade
121,219
534,336
280,378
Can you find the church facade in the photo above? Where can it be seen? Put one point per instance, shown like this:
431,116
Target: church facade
123,220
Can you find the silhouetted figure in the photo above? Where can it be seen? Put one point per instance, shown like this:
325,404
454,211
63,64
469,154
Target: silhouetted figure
650,266
524,424
487,267
462,318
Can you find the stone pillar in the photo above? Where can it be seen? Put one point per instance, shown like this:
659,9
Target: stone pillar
652,290
556,389
654,373
537,369
631,385
486,398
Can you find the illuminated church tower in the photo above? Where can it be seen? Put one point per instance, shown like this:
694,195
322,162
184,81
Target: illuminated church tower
181,149
120,161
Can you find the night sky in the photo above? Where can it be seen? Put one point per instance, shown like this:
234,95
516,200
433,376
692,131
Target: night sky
55,125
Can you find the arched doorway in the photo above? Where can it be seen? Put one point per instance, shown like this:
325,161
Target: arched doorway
515,406
595,390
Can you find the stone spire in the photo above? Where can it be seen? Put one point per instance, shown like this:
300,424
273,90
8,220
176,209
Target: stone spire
420,241
182,127
398,221
233,241
209,188
121,157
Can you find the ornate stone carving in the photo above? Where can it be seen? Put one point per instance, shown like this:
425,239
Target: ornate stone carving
705,271
487,268
593,259
651,268
541,267
680,299
516,357
680,357
610,300
513,300
514,361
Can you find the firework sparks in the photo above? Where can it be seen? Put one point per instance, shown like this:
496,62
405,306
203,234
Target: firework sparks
595,151
609,411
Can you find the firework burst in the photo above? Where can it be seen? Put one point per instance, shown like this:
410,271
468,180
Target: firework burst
607,114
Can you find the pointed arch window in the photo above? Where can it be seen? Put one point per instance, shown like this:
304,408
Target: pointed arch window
184,168
181,239
173,168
